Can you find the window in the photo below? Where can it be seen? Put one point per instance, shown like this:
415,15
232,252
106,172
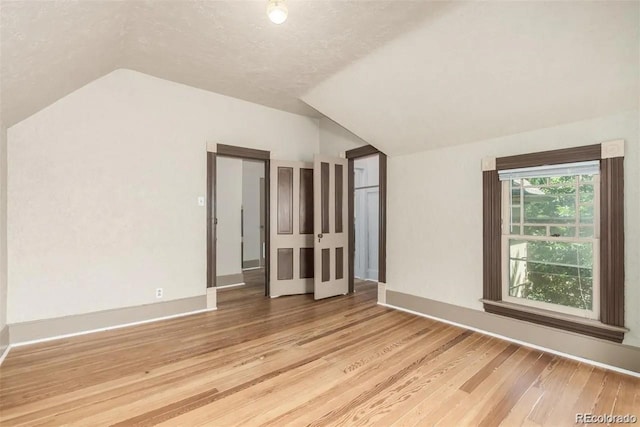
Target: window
553,238
550,234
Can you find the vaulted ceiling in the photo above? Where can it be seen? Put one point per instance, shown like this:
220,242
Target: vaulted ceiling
489,69
51,48
404,75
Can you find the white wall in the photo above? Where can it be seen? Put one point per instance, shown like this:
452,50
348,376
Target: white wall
371,166
3,227
482,69
435,212
334,139
103,190
252,172
229,206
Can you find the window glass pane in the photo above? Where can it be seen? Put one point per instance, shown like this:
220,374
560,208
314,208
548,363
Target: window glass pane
586,231
553,272
562,231
586,178
535,181
586,214
515,229
562,180
534,230
549,205
515,214
586,193
515,196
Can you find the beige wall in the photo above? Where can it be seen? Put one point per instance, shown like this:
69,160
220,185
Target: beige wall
229,199
334,139
252,172
3,228
103,190
435,212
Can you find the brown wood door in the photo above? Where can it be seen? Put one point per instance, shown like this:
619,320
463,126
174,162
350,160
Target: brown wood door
262,222
331,235
291,216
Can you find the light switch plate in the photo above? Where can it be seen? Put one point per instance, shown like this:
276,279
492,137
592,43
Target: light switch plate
201,201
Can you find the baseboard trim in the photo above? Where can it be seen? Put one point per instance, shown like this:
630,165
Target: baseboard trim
250,264
229,279
235,285
4,354
5,344
604,354
63,327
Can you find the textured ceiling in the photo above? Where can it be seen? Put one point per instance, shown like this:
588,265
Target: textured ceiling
489,69
403,75
52,48
48,49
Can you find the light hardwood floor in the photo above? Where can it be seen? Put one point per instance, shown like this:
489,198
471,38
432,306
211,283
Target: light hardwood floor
295,361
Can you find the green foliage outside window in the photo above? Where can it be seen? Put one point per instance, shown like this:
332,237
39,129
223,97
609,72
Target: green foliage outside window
552,271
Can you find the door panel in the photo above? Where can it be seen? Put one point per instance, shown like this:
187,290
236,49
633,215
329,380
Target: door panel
331,234
292,236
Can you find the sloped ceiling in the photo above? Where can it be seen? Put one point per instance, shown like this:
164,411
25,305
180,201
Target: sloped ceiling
51,48
403,75
489,69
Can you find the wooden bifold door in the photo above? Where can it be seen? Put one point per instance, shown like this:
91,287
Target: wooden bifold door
309,223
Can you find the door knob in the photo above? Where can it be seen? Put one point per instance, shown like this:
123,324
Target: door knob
319,237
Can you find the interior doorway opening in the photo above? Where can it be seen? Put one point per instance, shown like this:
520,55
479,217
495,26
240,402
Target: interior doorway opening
366,217
238,221
241,215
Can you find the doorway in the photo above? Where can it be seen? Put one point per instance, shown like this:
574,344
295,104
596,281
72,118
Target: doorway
366,211
238,219
367,215
330,194
240,228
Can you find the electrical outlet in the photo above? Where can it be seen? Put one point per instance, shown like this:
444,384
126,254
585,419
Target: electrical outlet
159,292
201,201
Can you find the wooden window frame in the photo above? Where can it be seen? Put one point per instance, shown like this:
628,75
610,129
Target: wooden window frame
610,326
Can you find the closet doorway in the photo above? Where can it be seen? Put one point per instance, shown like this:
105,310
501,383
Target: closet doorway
366,212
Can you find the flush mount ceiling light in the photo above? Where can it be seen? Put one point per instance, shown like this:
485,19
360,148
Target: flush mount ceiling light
277,11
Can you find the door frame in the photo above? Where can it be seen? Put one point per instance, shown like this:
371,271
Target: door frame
352,155
242,153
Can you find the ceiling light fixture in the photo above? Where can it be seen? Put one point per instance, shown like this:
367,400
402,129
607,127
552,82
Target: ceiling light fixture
277,11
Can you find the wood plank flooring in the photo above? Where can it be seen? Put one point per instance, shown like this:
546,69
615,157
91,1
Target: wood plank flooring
295,361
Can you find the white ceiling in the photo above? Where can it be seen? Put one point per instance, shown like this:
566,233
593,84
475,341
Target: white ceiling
404,75
49,49
52,48
489,69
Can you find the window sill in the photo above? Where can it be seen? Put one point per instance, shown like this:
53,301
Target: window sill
592,328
